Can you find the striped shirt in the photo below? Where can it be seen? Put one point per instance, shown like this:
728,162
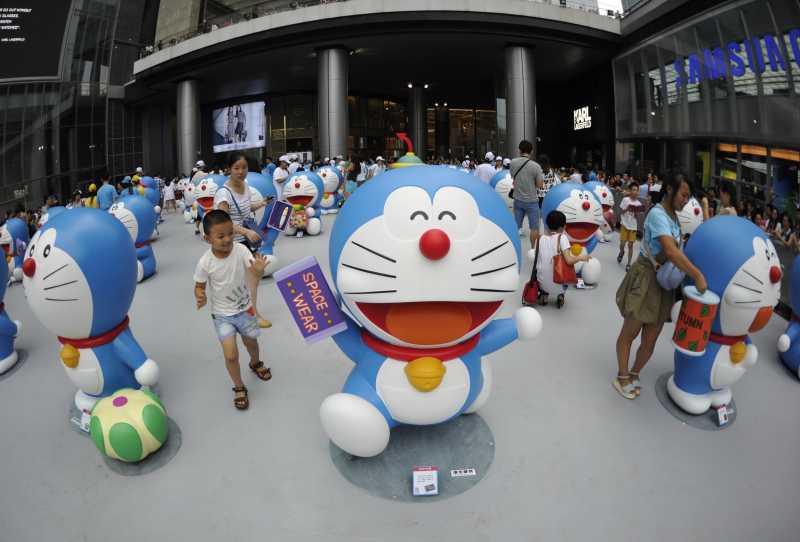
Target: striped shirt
238,204
550,180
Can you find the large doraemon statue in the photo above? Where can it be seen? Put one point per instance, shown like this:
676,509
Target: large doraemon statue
423,261
139,218
332,180
205,190
304,191
502,184
690,217
606,198
9,329
261,188
741,266
584,216
18,231
80,278
789,341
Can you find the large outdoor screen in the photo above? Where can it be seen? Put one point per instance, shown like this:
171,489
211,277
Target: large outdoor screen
240,126
31,34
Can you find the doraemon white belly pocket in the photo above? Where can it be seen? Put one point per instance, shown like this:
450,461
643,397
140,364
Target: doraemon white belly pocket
409,405
87,375
724,372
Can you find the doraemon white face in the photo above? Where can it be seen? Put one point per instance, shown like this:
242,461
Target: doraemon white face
125,215
605,196
503,187
427,273
204,193
753,291
690,217
6,241
57,291
188,194
329,179
300,191
584,215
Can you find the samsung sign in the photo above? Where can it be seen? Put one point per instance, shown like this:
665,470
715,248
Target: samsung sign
581,118
738,57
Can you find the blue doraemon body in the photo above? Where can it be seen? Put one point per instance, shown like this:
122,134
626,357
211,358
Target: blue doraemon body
139,218
261,188
789,341
332,181
79,279
423,261
304,191
741,266
9,329
18,230
502,183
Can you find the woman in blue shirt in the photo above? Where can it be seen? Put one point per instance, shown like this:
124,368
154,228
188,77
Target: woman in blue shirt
643,303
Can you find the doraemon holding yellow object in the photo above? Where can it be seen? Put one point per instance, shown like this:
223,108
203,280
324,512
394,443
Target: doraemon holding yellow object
789,341
741,266
139,218
79,279
423,261
332,181
304,191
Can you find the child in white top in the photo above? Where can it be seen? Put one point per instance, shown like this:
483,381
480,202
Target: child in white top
221,271
631,206
549,246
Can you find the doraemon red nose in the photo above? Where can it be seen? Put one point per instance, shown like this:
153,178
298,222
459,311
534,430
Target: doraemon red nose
297,185
586,205
29,267
775,274
696,211
434,244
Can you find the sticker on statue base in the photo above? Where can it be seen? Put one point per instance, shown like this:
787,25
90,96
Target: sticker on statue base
83,422
425,481
722,415
459,473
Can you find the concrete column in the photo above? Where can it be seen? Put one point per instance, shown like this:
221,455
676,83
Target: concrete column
332,72
520,97
443,131
418,120
188,112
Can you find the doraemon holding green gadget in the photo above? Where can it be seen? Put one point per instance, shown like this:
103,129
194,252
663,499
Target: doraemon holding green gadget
423,261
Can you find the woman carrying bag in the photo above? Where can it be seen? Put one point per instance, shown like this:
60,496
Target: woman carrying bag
646,295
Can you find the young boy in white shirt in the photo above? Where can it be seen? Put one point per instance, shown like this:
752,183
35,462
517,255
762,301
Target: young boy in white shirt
221,271
549,246
629,223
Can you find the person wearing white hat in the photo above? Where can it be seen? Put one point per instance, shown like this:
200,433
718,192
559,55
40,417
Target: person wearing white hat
280,175
140,170
498,163
506,163
200,164
294,164
486,170
377,168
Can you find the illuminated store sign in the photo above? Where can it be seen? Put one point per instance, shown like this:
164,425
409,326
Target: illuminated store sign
738,57
581,118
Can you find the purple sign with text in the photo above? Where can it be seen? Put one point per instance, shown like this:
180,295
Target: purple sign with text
307,294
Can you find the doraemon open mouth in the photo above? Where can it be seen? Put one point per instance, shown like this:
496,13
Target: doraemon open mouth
206,202
762,318
299,200
606,207
580,231
428,323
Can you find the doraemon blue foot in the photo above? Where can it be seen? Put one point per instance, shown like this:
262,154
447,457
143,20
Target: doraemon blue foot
423,261
789,341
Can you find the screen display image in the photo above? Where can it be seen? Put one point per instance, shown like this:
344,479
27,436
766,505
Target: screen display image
240,126
31,35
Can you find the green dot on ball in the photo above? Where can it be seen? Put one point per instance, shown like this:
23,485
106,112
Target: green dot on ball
125,441
156,422
96,432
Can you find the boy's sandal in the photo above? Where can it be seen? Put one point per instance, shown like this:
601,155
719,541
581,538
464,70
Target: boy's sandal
262,372
263,323
241,402
626,390
637,386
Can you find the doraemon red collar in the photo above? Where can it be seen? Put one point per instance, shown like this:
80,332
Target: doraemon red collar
404,353
727,340
100,340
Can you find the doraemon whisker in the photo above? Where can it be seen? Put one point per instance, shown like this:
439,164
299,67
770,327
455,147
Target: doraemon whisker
387,258
489,290
60,285
374,292
369,271
748,288
493,270
756,301
479,256
565,206
54,299
753,277
54,272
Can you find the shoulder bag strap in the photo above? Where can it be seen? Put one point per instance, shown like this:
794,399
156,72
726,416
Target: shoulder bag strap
233,196
535,260
514,175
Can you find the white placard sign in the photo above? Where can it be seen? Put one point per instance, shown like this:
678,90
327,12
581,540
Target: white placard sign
581,118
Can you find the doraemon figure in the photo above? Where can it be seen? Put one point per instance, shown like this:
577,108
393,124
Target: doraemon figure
261,188
423,261
52,211
190,205
606,197
584,216
80,278
690,217
148,182
789,341
139,218
502,184
9,329
205,190
741,266
304,191
332,181
18,230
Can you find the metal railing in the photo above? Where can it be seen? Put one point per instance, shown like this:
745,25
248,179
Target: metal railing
273,7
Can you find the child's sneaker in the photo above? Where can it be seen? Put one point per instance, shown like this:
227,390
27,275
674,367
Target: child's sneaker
627,268
560,301
619,257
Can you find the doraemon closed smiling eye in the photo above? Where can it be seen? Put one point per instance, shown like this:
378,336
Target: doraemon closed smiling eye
423,260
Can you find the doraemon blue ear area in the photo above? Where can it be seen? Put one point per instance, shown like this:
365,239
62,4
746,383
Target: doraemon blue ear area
368,202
